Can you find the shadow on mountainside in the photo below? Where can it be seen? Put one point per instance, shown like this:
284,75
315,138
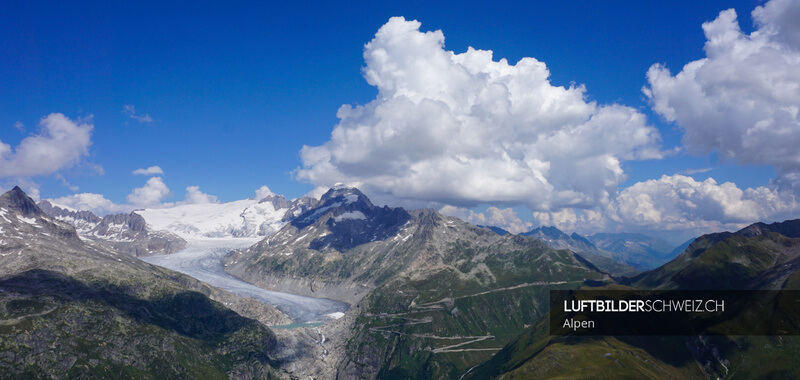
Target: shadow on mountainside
187,313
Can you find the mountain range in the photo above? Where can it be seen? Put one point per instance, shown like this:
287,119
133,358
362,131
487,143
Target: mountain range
430,296
618,253
163,231
73,307
760,256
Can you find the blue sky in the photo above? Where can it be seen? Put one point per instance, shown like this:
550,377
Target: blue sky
225,96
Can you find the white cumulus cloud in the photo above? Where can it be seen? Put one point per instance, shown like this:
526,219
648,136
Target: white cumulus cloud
464,129
195,196
153,170
60,143
505,218
678,205
742,100
263,192
680,202
96,203
149,195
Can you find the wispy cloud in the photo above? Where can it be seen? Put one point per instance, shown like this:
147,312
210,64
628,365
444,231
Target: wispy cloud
695,171
65,182
19,126
153,170
130,110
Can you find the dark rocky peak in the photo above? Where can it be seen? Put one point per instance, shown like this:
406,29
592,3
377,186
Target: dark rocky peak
347,195
352,220
428,216
299,206
344,203
278,201
30,219
56,211
16,200
581,239
789,228
132,221
353,228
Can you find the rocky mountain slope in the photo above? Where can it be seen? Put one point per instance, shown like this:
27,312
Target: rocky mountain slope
613,263
760,256
432,295
128,233
75,308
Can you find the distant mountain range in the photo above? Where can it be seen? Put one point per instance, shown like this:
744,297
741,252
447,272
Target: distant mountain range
760,256
431,296
166,230
629,252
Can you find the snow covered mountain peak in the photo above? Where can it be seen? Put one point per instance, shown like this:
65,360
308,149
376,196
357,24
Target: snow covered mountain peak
348,195
237,219
241,218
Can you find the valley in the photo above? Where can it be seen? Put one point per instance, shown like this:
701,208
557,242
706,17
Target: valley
353,290
202,259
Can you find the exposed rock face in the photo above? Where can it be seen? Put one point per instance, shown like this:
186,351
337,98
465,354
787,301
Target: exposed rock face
418,282
83,221
124,232
75,308
16,200
297,207
129,233
610,262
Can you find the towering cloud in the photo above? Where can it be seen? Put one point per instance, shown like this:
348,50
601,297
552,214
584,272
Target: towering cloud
464,129
151,194
742,100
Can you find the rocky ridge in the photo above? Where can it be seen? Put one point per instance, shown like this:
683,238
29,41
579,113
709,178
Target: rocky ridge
452,283
74,307
610,262
128,233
